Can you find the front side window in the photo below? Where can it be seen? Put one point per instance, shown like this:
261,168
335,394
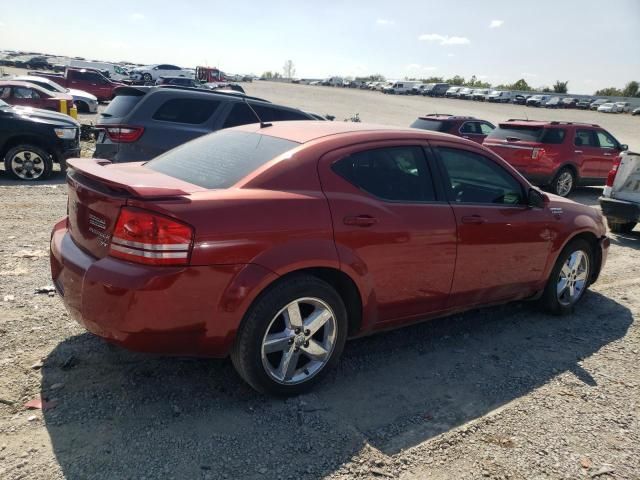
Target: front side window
606,141
585,138
21,92
397,173
474,178
486,129
186,110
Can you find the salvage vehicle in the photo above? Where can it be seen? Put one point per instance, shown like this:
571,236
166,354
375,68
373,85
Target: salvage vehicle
597,103
470,128
274,244
635,111
181,81
27,94
84,79
620,201
558,155
584,103
452,92
437,90
537,100
480,94
32,140
85,102
150,73
569,102
142,122
399,88
608,107
623,107
499,96
519,99
115,72
553,102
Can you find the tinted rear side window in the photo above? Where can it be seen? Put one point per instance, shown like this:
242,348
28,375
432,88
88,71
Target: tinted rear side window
553,136
121,105
274,114
435,125
186,110
240,114
220,159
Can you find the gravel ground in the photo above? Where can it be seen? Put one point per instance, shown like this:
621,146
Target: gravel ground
503,393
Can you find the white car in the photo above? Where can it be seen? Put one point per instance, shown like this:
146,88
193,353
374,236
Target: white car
400,88
623,107
620,201
150,73
608,107
499,96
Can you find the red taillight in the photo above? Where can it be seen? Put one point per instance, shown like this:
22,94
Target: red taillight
124,133
145,237
612,173
537,153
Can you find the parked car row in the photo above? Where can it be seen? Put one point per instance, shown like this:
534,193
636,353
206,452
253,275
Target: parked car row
552,154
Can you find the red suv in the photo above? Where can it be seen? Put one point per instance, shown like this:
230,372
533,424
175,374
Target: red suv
466,127
559,155
273,243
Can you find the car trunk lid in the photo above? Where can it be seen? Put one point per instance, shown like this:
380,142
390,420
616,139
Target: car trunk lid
98,190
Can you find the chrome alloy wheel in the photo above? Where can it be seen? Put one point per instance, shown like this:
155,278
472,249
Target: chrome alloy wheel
564,184
573,278
27,165
299,341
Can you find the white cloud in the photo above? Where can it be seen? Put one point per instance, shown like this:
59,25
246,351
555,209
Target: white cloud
528,74
496,23
384,21
2,24
136,17
444,39
451,55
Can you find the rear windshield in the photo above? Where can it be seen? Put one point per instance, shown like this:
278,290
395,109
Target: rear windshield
435,125
527,133
121,105
220,159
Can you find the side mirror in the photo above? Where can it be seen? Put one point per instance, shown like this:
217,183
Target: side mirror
537,199
624,147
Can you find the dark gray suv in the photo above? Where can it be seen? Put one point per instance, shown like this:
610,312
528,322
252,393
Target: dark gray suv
140,123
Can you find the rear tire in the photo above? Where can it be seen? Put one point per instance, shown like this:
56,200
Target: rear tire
272,336
147,78
564,182
28,162
621,227
569,279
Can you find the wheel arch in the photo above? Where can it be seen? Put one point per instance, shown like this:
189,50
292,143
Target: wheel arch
593,240
26,139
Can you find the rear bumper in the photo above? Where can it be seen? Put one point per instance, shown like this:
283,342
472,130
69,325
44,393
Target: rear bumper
619,211
191,310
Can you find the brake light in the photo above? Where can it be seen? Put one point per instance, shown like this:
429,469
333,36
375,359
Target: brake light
124,133
145,237
612,173
537,153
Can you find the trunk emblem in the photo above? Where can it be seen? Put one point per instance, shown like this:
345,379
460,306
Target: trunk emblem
97,222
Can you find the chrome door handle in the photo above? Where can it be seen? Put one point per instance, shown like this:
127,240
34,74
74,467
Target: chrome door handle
476,219
577,151
608,154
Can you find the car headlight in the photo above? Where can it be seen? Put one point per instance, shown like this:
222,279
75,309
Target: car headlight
65,133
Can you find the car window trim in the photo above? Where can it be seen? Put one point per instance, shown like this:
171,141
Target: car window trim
445,177
440,198
616,144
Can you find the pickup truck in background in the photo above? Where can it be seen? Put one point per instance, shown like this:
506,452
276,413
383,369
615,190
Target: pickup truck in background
85,79
620,201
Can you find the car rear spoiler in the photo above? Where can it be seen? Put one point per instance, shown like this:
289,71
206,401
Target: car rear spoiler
143,183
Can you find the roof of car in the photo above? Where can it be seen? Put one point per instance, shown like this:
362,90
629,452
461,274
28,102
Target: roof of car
306,131
445,116
544,123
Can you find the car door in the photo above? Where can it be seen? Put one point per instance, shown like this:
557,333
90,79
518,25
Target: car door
609,151
476,130
588,153
27,97
390,226
503,244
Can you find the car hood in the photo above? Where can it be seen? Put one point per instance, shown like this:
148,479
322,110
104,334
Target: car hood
82,94
45,116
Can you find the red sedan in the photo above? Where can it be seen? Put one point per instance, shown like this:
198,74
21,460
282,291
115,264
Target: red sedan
27,94
275,244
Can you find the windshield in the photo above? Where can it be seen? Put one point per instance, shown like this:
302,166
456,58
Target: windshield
220,159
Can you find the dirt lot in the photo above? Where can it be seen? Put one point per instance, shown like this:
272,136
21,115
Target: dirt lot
503,393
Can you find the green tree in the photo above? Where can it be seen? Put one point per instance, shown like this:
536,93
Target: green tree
289,69
521,85
433,80
268,75
456,80
632,89
609,92
560,87
545,89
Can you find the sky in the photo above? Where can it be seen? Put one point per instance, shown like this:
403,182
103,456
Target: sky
589,43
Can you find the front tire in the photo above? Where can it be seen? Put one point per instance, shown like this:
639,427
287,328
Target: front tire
569,278
28,162
147,78
564,182
291,336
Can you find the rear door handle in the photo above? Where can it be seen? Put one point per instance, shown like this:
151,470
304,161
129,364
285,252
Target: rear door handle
360,221
475,219
608,154
577,151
